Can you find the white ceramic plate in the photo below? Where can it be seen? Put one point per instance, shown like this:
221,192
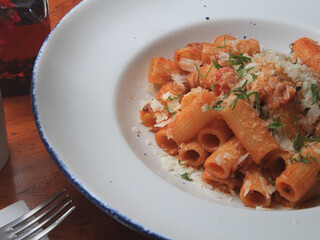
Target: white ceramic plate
88,80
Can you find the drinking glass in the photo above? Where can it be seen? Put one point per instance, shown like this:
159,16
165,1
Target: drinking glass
24,25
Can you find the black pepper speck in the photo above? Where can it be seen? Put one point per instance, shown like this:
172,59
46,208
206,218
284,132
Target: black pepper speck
252,23
207,18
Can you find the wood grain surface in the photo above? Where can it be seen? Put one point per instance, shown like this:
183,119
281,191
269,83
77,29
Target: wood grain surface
31,175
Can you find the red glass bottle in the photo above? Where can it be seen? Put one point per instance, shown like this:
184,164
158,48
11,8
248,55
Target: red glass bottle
24,25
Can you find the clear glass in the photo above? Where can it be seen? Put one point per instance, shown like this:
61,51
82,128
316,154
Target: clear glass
24,25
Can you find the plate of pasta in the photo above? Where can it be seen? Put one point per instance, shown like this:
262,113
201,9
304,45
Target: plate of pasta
202,127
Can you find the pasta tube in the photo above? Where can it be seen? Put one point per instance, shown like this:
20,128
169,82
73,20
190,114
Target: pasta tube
161,70
308,51
218,51
168,97
225,161
202,77
225,37
256,190
193,154
168,145
190,120
214,135
147,116
223,185
251,131
188,57
301,175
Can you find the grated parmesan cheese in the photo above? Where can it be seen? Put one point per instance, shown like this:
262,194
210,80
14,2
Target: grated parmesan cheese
136,130
246,186
218,159
219,220
260,208
284,141
226,155
150,89
162,123
156,105
295,221
179,79
242,158
234,42
204,108
161,116
317,150
189,65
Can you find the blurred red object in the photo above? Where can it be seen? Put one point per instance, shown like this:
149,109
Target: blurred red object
24,25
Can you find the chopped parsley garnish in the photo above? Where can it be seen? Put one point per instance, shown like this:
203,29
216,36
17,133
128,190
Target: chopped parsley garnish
216,64
275,124
314,158
311,139
216,107
297,142
186,176
174,98
213,86
237,60
290,46
264,116
224,43
315,93
240,60
242,94
166,106
254,76
242,71
256,100
303,159
199,74
238,89
273,182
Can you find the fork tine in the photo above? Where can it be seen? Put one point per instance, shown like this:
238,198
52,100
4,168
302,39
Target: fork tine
53,225
37,227
28,224
33,212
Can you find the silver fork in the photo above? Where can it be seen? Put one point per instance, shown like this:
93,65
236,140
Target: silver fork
51,212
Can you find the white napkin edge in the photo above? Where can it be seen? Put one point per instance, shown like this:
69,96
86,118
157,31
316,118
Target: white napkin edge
14,211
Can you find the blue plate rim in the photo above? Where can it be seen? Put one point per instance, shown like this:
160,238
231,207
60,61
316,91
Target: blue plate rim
104,207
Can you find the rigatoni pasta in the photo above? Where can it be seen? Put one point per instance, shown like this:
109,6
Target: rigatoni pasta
247,119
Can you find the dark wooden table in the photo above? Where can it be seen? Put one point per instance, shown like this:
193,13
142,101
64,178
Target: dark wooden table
32,176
